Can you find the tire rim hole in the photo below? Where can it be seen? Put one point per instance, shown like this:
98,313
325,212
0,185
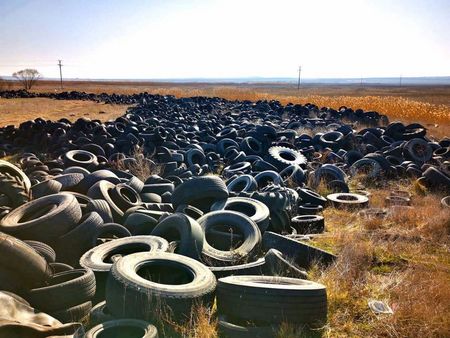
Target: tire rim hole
168,273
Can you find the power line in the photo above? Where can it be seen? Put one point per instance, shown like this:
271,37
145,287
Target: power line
60,72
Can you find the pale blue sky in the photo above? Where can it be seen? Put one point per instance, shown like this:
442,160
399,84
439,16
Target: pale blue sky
226,38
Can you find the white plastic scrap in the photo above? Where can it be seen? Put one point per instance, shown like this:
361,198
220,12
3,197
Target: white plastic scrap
380,307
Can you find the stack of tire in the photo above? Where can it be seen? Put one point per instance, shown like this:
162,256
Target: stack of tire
26,269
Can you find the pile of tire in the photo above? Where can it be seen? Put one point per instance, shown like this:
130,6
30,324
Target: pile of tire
216,213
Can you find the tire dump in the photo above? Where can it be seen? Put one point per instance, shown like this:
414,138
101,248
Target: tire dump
108,229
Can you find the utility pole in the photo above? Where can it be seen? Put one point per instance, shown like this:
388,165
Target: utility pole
60,72
401,76
299,77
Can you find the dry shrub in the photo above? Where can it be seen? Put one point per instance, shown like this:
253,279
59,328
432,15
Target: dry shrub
201,324
142,167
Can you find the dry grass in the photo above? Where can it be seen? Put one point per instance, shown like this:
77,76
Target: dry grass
15,111
402,259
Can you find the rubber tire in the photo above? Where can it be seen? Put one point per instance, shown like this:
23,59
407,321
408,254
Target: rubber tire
73,314
115,328
94,258
248,228
47,227
128,294
308,224
230,330
65,289
73,244
278,265
201,192
272,299
102,208
302,254
253,268
43,249
140,224
24,261
100,314
188,231
257,211
14,190
348,200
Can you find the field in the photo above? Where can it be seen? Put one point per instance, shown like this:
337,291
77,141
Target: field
402,259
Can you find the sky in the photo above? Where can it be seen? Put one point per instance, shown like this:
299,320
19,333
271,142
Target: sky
157,39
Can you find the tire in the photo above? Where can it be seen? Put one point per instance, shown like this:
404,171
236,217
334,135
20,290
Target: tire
266,177
64,290
225,220
150,198
44,219
436,179
96,176
76,169
22,178
417,150
125,197
272,299
252,268
309,209
128,294
96,258
100,314
82,199
282,157
48,187
367,166
445,202
79,158
302,254
200,192
308,224
69,182
136,184
257,211
309,196
158,188
230,330
338,187
73,244
11,281
60,267
278,265
102,208
14,190
19,257
348,200
327,173
73,314
102,190
44,250
293,174
123,328
112,231
140,224
179,227
190,211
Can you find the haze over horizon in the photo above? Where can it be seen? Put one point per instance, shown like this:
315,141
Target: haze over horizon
226,39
